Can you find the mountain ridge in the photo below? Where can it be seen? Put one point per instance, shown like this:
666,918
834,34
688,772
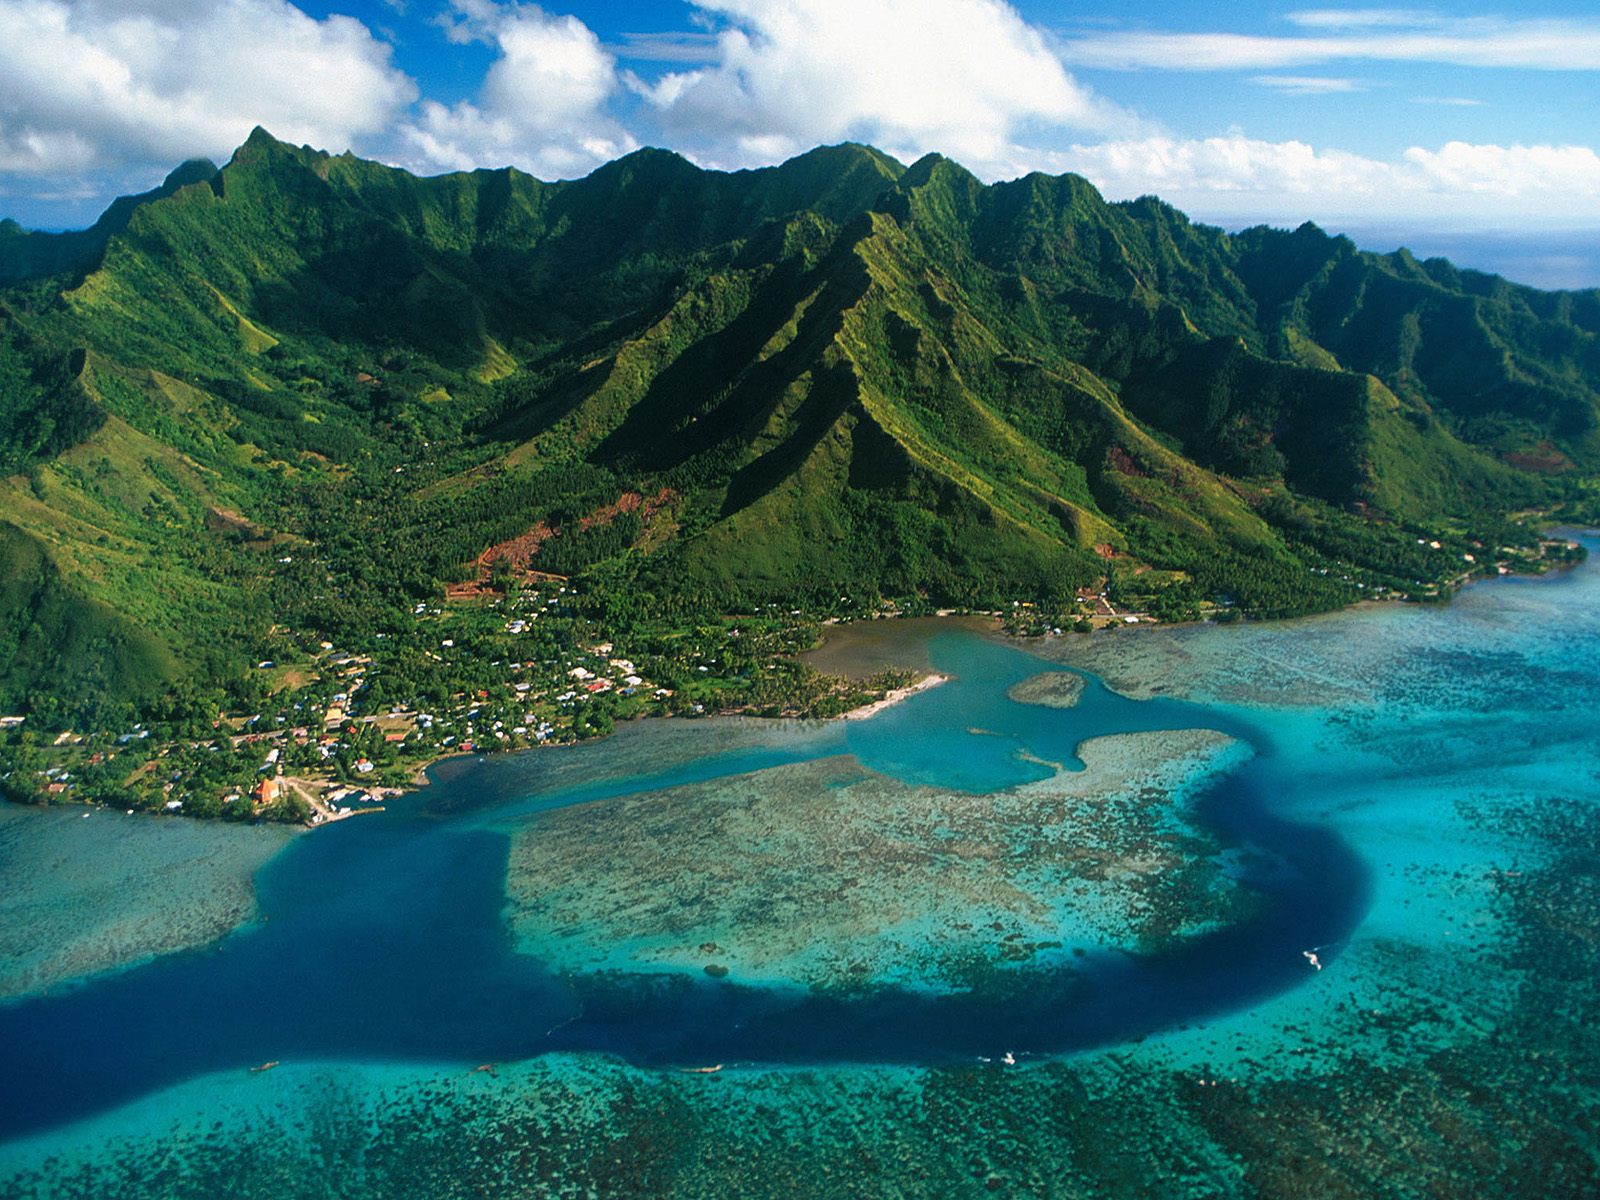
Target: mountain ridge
851,376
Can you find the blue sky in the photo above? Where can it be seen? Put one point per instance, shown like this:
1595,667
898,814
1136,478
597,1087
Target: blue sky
1467,130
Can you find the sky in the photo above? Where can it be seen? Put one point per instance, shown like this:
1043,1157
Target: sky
1463,130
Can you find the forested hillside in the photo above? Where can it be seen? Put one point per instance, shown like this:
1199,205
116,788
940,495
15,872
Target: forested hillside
296,399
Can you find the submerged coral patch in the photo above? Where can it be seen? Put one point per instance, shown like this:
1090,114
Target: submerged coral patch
84,892
828,875
1051,689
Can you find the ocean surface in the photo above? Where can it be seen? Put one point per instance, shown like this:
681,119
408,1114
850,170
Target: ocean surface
1293,909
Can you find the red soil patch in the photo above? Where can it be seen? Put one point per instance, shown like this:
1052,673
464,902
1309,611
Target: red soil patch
1543,460
1123,461
626,503
519,552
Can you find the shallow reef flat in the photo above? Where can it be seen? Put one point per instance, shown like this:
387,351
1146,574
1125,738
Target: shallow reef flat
1049,689
1312,662
505,786
1447,1046
1528,634
1320,1093
828,875
1504,1105
83,892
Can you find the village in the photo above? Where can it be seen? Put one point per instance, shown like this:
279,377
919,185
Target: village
341,731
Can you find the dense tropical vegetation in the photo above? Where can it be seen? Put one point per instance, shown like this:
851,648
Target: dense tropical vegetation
309,411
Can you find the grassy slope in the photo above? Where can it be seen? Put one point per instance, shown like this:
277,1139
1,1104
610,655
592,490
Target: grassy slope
853,375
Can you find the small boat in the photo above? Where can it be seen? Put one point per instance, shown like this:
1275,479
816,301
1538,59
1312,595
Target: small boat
711,1070
266,1066
1311,957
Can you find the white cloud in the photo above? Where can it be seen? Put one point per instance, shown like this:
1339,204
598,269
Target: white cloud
1308,85
1234,163
967,77
115,84
1509,170
98,90
1379,35
1449,101
1242,176
1364,18
543,104
467,21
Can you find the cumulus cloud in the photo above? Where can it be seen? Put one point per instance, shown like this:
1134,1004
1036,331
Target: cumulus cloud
108,84
1233,163
967,77
1241,175
95,92
1509,170
543,104
1386,35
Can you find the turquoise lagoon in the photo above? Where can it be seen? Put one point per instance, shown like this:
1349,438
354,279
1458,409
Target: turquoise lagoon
1300,909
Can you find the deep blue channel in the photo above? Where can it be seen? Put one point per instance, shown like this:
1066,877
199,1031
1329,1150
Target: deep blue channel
384,939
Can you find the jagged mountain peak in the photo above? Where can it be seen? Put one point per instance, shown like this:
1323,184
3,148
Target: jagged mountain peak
845,373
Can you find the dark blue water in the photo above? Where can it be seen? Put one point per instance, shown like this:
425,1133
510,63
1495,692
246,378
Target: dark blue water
383,938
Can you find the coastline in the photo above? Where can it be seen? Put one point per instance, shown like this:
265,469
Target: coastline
422,777
893,697
317,792
992,624
324,796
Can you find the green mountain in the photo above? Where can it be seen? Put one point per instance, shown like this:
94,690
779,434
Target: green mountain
306,391
26,254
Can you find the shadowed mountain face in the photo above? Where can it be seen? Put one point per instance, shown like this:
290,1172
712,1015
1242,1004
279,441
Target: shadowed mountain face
840,374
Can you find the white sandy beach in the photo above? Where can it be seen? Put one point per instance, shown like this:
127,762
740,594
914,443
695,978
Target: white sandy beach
894,697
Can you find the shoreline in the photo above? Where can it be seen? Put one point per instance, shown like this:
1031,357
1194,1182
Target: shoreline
421,778
893,697
325,808
326,811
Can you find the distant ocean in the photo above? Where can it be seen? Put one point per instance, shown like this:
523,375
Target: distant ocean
1556,260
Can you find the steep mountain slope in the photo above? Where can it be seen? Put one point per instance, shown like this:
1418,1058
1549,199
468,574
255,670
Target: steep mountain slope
306,390
26,254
